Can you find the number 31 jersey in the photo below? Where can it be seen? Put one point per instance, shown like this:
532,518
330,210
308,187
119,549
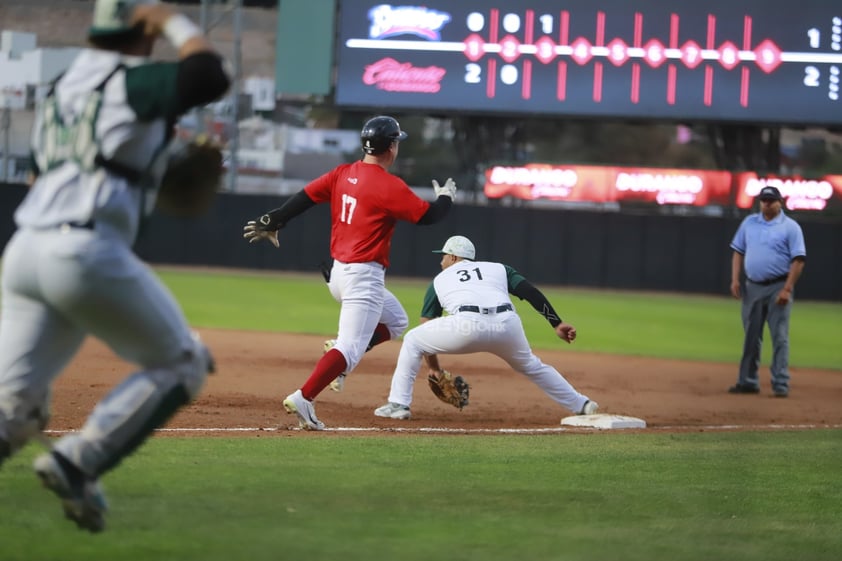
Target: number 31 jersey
473,283
366,201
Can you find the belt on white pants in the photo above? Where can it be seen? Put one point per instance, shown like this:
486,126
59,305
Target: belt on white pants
479,310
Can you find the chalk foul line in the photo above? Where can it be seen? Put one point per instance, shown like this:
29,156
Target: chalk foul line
444,430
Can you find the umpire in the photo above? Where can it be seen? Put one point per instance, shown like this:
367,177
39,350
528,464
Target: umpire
771,247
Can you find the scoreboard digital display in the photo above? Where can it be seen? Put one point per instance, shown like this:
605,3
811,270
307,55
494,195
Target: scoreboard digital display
748,61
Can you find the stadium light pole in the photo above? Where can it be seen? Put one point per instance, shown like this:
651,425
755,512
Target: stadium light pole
235,90
208,21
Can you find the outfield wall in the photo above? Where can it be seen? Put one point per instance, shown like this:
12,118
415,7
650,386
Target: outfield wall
575,248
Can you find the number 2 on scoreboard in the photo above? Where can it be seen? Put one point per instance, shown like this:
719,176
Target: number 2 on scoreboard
811,76
473,73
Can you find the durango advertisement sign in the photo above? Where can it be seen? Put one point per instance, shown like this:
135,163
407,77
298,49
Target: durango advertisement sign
614,184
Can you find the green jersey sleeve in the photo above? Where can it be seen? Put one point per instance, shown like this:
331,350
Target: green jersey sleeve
151,90
432,307
513,277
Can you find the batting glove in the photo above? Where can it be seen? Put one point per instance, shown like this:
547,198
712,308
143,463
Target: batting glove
447,190
253,232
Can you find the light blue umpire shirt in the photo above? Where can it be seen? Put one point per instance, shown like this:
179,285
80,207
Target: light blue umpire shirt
768,246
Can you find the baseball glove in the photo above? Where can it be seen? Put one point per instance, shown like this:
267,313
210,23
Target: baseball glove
453,390
192,178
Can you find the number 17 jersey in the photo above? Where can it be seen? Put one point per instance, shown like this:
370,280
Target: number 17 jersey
366,201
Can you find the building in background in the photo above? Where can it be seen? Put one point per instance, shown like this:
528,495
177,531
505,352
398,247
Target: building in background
27,70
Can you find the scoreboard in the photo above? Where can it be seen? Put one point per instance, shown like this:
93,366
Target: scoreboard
748,61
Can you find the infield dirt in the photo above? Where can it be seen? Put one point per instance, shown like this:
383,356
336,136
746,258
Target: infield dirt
256,370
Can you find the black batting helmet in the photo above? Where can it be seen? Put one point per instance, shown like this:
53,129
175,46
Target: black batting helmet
379,133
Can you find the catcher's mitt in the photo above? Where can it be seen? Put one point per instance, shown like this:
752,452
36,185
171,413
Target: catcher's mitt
453,390
192,178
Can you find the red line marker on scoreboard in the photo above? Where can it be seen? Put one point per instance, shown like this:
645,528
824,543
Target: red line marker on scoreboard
746,46
638,41
597,67
671,70
563,39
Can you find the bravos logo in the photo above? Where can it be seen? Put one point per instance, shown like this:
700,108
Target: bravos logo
388,21
390,75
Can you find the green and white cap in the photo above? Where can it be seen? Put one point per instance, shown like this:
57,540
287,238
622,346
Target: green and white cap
460,246
114,16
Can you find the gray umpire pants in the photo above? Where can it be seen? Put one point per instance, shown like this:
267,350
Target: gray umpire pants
758,308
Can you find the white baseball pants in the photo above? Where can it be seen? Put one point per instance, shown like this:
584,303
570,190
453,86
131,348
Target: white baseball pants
58,286
467,332
360,288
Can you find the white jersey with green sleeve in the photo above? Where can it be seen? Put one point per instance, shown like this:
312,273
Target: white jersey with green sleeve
491,325
106,108
483,284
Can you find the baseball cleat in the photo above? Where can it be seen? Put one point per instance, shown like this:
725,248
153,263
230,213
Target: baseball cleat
81,496
338,384
307,420
393,411
589,408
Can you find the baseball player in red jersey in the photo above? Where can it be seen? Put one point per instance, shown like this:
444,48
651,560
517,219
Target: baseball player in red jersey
366,202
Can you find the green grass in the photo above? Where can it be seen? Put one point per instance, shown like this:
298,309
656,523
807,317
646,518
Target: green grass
569,497
675,326
759,496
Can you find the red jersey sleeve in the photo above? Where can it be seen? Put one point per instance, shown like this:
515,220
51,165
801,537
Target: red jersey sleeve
321,188
402,202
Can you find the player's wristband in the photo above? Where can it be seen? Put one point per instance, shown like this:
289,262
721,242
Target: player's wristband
269,222
179,29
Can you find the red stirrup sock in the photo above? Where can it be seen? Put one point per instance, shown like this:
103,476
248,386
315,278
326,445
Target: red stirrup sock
381,335
331,365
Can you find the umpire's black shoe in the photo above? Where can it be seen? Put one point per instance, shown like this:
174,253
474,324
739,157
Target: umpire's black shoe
781,392
743,388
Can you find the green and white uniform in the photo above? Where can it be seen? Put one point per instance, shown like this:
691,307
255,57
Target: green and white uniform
69,269
481,318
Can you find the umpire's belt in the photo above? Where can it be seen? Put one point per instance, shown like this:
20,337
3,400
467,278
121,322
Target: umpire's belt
767,282
477,310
